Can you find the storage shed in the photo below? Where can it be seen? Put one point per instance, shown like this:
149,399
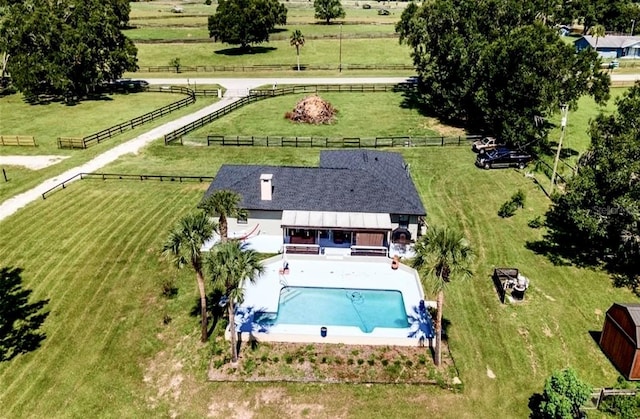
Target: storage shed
620,339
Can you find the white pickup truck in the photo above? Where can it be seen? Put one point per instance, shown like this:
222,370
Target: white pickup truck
485,144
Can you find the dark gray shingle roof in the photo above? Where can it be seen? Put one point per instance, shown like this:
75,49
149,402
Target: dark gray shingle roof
346,181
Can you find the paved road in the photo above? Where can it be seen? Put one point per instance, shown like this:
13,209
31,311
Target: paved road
241,87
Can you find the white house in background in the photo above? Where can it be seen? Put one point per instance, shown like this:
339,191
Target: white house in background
361,202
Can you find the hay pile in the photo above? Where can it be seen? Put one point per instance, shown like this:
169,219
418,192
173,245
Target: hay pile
313,110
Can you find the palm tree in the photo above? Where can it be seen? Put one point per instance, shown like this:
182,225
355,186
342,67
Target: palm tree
297,40
184,245
231,264
442,255
224,204
597,31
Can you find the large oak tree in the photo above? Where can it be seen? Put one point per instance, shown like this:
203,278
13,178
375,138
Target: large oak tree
66,48
246,22
496,67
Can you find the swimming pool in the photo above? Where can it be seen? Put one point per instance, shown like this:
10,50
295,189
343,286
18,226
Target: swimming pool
362,308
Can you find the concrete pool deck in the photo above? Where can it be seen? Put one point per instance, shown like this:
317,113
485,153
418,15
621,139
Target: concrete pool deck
326,271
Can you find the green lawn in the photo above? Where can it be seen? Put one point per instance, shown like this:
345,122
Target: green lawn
44,121
93,250
267,118
316,52
47,122
308,30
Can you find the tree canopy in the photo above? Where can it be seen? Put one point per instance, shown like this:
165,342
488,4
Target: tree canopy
563,395
328,9
496,67
597,219
20,320
66,48
246,22
615,15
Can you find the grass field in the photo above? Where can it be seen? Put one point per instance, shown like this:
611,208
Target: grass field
93,250
84,118
317,52
267,118
47,122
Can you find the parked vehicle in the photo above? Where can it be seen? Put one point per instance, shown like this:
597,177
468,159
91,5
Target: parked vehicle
126,85
503,157
485,144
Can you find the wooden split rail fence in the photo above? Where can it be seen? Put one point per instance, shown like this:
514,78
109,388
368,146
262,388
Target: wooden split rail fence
260,94
98,137
18,140
347,142
126,176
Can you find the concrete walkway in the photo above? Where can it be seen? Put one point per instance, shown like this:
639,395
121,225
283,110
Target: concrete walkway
236,88
13,204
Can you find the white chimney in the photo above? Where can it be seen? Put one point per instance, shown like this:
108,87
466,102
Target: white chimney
265,186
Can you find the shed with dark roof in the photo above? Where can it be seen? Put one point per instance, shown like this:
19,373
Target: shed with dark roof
620,339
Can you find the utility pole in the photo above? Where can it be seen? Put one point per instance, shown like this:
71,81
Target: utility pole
563,125
340,65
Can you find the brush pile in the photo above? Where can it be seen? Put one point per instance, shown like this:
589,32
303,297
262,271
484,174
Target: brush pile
313,110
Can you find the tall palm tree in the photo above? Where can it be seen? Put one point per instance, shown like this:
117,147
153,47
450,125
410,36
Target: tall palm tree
231,264
597,31
183,246
297,40
224,204
442,255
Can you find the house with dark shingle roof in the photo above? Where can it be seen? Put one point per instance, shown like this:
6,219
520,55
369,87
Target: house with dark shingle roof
357,199
611,46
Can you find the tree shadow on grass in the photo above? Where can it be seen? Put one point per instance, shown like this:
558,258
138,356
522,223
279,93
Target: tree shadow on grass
245,51
214,309
413,99
20,320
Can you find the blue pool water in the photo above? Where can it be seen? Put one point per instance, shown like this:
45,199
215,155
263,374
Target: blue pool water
366,309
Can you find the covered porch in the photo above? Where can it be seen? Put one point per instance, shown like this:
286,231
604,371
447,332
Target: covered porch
322,231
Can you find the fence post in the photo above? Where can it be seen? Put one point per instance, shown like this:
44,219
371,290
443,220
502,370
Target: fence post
219,93
459,139
442,142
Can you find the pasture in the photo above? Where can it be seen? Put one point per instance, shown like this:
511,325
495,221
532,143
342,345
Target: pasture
367,39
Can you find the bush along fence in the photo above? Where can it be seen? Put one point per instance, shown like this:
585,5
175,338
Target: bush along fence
18,140
256,95
272,67
98,137
346,142
122,176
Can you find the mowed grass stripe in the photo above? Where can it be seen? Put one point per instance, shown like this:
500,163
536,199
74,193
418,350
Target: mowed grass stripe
131,245
65,269
116,220
66,233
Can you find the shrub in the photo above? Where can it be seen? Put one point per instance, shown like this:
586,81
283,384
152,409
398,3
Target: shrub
275,359
264,358
536,222
350,361
168,288
207,2
625,407
385,362
288,359
371,362
518,198
360,361
508,209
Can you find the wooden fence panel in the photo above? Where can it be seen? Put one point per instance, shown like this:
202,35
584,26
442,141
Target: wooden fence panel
18,140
